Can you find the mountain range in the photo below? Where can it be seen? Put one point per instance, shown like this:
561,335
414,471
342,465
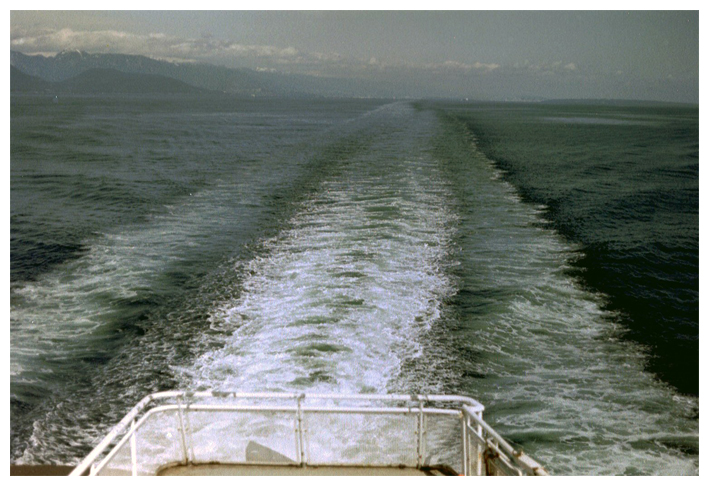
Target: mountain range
81,72
95,81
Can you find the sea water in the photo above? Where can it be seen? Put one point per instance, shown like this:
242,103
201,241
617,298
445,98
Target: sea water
540,258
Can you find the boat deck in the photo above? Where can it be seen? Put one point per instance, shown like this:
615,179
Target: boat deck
39,470
250,470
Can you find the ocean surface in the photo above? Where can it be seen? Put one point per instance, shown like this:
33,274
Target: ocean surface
542,258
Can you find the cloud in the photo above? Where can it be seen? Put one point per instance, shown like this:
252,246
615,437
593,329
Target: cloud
546,69
461,66
268,57
157,45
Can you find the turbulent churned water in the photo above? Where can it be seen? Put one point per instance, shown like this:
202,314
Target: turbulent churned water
350,246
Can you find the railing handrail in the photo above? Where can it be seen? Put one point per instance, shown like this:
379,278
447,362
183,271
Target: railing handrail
474,404
117,429
470,409
519,457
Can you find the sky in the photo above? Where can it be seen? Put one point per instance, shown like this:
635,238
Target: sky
480,54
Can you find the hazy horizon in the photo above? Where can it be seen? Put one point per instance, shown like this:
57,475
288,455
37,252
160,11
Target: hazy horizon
651,55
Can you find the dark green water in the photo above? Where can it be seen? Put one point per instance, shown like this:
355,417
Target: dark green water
359,246
623,183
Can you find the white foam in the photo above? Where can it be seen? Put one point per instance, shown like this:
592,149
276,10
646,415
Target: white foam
65,313
341,295
339,298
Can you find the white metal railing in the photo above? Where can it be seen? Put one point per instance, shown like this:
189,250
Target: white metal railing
176,427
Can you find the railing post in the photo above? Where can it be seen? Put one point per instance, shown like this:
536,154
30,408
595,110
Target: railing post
301,444
133,450
466,458
183,438
188,434
421,434
479,451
